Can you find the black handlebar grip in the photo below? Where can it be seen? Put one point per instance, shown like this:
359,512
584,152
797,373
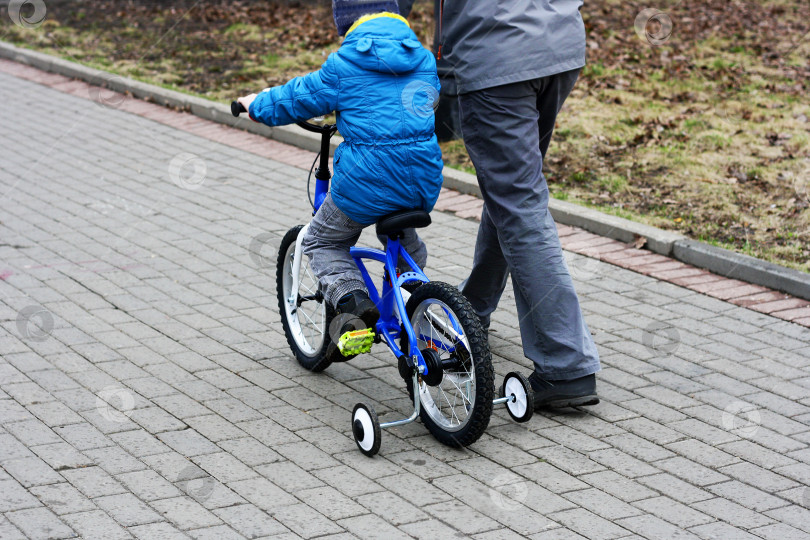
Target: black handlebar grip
237,108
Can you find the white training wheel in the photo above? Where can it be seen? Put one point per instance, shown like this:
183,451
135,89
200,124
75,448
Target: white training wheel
366,429
521,408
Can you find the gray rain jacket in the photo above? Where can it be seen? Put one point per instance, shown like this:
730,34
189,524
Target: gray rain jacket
494,42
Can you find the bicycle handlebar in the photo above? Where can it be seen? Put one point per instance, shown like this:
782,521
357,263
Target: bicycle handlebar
237,108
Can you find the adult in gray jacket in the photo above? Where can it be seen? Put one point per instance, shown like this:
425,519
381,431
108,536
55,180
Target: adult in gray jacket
515,62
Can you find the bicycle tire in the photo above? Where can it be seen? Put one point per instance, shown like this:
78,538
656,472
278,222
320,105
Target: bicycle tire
313,356
473,355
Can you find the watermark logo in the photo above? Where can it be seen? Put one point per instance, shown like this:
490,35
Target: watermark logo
27,13
267,242
653,26
659,337
581,267
34,323
114,404
188,170
420,98
195,486
102,95
507,493
742,419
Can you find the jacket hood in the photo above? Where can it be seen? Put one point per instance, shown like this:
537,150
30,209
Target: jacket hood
383,44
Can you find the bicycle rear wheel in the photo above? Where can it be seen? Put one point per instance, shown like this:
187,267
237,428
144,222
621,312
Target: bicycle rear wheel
456,394
305,315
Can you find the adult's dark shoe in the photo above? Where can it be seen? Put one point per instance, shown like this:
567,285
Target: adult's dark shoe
579,392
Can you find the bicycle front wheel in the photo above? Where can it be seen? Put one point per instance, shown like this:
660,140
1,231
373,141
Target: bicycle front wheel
305,315
456,398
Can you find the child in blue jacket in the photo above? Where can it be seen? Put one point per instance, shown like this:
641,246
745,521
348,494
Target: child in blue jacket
379,82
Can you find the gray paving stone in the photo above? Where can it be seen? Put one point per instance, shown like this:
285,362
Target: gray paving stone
602,504
31,471
62,498
185,513
369,526
93,482
344,479
83,436
306,455
188,442
114,460
675,488
214,428
250,521
157,531
701,452
289,476
224,467
690,471
392,508
454,513
264,494
127,509
558,534
637,447
588,524
8,531
62,456
148,485
96,525
757,476
674,512
40,523
718,530
732,512
139,443
653,527
780,531
30,433
14,497
793,515
568,460
220,532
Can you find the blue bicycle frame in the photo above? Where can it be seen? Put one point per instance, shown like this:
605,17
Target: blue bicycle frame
389,326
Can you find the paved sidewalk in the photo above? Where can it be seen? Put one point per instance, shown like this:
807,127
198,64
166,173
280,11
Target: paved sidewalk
146,388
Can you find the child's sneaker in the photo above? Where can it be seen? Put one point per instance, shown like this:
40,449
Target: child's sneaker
358,303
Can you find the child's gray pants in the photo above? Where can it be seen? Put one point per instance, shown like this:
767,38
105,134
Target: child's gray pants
331,233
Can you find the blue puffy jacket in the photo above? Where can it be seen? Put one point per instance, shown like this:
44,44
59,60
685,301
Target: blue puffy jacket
382,83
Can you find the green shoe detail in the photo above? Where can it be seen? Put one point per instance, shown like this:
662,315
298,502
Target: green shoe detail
356,342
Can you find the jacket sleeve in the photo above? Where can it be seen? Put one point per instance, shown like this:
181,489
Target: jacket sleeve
302,98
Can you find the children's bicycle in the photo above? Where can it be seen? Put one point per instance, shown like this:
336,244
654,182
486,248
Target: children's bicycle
441,349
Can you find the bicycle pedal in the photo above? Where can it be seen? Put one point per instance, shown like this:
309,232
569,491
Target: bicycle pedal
356,342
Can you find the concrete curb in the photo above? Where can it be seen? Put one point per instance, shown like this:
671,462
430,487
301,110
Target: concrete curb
717,260
743,267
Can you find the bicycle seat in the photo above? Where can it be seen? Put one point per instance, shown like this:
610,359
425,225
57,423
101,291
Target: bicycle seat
394,223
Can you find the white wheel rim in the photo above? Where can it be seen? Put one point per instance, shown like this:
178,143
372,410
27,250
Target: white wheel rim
308,336
517,407
450,403
368,428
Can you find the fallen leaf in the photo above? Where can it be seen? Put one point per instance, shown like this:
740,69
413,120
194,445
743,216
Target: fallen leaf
639,241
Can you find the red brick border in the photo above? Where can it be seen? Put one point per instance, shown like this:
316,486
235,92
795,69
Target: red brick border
743,294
